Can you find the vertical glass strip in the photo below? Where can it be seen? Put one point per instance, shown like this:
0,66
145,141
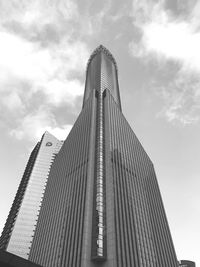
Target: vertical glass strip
99,184
99,222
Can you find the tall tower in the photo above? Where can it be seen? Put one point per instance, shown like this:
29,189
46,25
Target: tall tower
21,223
102,205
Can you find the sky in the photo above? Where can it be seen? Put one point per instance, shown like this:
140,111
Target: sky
44,48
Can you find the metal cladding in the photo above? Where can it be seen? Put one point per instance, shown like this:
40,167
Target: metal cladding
59,234
141,229
102,205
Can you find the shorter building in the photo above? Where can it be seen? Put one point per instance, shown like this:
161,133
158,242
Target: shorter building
22,220
187,264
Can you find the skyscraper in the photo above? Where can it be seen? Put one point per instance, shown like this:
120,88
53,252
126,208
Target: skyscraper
102,205
20,226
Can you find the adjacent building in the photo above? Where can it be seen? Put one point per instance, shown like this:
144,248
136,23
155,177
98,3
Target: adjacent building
20,226
102,204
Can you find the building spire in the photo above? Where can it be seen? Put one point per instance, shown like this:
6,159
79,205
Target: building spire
103,49
102,74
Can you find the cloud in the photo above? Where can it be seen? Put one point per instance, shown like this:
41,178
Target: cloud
177,41
41,59
60,133
164,35
182,99
32,126
93,16
166,38
24,60
12,101
37,12
59,91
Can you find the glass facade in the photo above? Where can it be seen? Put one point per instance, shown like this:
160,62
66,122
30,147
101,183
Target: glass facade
100,195
23,228
101,73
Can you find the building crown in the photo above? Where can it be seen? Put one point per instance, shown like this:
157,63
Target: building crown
98,50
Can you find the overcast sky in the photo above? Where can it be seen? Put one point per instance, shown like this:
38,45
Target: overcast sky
44,48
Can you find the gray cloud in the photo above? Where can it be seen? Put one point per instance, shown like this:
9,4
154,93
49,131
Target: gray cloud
165,38
45,22
182,99
39,54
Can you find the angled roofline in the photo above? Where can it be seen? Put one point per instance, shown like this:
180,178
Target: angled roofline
103,49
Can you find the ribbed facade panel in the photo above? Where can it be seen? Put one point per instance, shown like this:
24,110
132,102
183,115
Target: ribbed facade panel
142,232
60,224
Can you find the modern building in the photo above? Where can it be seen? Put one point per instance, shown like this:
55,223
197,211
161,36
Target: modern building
102,204
10,260
21,223
185,263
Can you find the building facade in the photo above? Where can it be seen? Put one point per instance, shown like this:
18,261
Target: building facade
102,204
185,263
20,226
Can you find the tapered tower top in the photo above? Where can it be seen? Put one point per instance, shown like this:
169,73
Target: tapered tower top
101,49
101,74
